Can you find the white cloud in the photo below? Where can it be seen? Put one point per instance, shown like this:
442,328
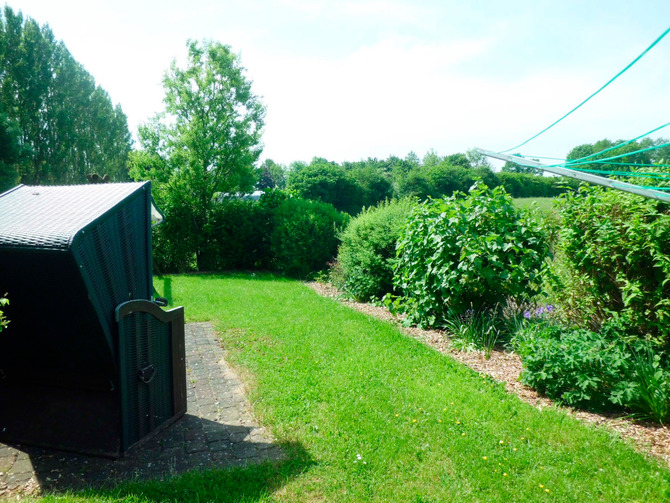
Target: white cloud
397,96
398,11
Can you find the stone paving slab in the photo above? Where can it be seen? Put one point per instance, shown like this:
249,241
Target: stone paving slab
217,431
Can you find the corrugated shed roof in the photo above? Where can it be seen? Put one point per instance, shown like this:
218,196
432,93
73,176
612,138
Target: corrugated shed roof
50,216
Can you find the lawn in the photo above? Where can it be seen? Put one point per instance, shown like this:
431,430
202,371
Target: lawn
368,414
542,205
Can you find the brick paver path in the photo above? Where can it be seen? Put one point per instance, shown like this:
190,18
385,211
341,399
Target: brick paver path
217,431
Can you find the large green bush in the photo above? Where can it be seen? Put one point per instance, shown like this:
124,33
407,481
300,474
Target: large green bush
575,366
305,236
467,252
613,261
366,256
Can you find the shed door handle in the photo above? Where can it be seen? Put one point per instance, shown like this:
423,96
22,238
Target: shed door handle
147,374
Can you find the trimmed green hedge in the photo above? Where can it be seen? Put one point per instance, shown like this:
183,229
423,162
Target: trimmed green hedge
290,235
305,236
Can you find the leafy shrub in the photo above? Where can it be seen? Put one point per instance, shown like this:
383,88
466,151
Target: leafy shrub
467,252
600,371
365,257
305,236
577,367
613,260
173,244
374,186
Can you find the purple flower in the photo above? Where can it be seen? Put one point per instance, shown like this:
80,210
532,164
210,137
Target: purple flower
540,311
550,308
526,315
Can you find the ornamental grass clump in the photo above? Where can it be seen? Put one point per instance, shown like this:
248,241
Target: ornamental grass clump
465,252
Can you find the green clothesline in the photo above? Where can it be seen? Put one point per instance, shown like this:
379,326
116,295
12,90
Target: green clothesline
577,162
595,93
622,173
596,161
622,144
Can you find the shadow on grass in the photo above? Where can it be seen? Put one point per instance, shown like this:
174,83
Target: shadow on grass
234,484
248,484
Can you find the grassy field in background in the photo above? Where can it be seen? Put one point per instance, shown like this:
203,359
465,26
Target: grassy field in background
540,204
368,414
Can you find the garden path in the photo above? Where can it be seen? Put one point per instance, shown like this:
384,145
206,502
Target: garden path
218,431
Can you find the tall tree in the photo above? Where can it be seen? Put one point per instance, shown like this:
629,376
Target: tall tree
67,124
206,141
11,153
328,182
624,163
271,176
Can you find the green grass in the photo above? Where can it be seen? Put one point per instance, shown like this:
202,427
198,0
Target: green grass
368,414
542,205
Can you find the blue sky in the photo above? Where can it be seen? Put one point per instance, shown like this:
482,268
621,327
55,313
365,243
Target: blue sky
347,80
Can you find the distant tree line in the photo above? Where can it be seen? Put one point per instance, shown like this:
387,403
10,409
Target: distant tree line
56,124
351,186
642,153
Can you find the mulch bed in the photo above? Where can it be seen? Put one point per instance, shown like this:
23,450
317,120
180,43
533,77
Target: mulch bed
506,367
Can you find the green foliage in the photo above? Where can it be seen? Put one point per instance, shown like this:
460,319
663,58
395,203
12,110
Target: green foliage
271,176
329,183
441,178
3,320
578,367
528,185
366,256
613,260
600,371
467,252
647,390
373,184
512,167
11,152
68,126
622,163
305,236
238,236
281,233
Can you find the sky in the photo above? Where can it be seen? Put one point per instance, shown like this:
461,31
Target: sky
347,80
